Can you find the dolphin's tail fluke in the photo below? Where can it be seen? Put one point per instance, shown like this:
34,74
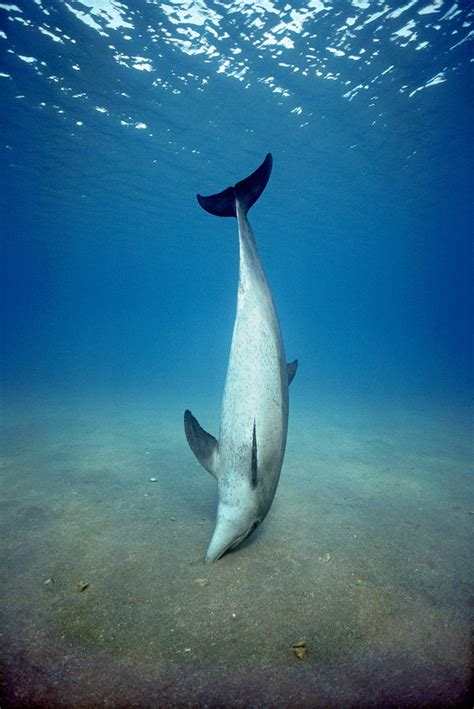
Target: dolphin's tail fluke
246,191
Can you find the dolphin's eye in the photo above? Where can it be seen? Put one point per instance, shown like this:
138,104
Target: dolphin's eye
254,526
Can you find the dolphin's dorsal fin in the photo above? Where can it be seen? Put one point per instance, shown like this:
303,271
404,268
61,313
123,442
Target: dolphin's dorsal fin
291,368
203,445
254,464
247,191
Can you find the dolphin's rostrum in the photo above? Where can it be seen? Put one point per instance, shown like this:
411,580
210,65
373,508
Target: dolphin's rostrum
247,459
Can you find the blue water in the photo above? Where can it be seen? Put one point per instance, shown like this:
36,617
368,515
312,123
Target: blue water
115,283
113,276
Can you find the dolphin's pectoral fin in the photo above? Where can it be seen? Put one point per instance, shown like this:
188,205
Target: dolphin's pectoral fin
291,369
254,464
203,445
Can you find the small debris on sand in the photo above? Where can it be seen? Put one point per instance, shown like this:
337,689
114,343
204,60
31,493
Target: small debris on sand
48,582
82,586
300,650
153,480
200,582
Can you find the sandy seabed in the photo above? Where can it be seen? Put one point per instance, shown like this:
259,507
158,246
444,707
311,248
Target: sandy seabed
366,556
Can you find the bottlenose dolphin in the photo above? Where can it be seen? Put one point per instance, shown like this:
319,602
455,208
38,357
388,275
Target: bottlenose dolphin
247,459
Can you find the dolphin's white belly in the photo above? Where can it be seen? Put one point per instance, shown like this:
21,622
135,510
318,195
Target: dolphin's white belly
256,393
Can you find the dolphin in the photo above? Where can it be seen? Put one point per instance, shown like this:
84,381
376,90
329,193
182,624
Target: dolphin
247,459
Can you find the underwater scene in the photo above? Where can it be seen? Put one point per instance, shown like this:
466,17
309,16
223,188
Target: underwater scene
311,312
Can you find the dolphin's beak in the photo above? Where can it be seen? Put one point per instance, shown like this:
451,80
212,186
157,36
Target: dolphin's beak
214,553
227,535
